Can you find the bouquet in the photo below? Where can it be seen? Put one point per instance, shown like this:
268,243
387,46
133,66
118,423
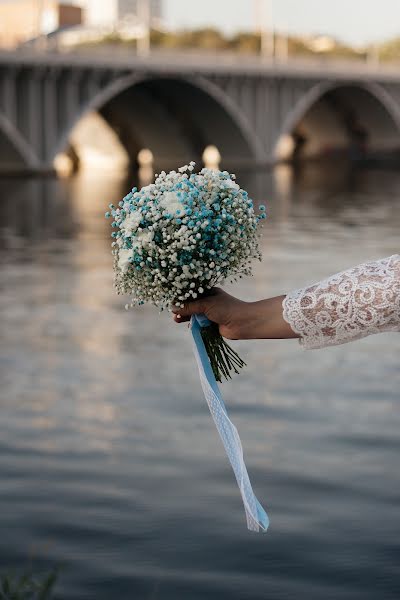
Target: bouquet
180,236
174,240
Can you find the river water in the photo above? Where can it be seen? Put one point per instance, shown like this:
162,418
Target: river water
110,465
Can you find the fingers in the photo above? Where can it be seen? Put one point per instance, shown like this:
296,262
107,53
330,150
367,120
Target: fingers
199,306
180,319
190,308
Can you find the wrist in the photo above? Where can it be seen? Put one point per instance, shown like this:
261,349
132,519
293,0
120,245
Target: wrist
249,322
264,320
257,319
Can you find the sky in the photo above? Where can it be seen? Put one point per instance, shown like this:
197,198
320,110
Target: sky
353,21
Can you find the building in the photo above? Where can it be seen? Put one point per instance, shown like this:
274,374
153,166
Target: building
126,8
111,12
23,20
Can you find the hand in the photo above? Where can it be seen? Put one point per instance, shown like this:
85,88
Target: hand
239,320
221,308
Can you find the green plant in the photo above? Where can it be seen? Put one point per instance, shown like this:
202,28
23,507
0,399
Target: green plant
27,586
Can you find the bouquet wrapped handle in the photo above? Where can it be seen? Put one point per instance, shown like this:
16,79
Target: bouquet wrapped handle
257,518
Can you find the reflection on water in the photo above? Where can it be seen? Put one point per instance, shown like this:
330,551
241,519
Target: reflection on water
109,460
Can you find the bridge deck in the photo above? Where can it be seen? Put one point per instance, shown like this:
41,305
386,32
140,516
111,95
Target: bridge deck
213,63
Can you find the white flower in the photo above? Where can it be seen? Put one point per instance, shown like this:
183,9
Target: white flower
172,203
124,256
144,238
148,189
228,183
131,222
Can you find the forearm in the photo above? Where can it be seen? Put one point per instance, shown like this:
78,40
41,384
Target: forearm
238,319
265,320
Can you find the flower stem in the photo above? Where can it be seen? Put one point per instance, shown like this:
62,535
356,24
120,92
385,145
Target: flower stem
223,358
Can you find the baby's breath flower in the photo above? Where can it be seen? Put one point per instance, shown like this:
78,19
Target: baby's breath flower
182,235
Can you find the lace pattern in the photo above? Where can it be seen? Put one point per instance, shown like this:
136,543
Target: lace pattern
347,306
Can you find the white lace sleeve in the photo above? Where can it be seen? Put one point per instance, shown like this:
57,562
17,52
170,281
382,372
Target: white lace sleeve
347,306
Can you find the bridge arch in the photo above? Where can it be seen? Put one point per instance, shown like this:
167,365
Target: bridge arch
357,116
176,117
14,148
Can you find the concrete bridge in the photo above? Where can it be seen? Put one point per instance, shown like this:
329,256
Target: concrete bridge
254,112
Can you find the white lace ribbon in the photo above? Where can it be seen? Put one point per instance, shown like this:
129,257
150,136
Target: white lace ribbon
257,518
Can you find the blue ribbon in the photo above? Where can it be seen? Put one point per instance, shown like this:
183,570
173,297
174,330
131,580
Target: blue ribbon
257,518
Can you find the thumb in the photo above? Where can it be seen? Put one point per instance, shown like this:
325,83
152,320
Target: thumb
195,307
